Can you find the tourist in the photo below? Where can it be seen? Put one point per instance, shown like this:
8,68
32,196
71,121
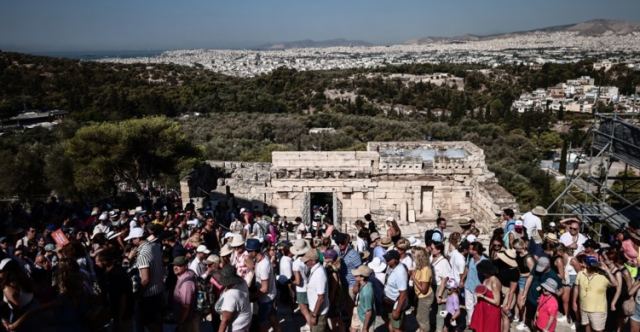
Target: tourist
508,216
240,258
614,260
456,258
529,297
379,267
317,293
486,313
337,290
378,250
533,223
395,292
285,274
233,306
361,241
364,313
18,296
370,224
422,287
265,285
441,273
117,285
572,238
197,265
591,289
393,231
453,308
495,245
508,275
300,276
567,273
547,311
471,277
184,296
516,233
350,261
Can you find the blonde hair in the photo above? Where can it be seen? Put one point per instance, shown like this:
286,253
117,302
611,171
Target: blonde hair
420,257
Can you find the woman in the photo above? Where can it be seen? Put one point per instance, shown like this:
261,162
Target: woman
421,278
616,295
337,291
486,313
393,230
17,291
568,280
70,310
495,247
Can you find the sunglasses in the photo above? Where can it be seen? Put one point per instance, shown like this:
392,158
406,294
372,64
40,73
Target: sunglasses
573,228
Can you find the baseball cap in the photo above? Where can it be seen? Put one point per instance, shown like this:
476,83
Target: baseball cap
542,264
203,249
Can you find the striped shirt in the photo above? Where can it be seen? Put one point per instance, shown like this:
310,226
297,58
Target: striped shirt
351,261
150,256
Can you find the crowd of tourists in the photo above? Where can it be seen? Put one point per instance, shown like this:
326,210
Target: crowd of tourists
137,270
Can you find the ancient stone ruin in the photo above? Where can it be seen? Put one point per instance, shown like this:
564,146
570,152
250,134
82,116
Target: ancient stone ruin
409,181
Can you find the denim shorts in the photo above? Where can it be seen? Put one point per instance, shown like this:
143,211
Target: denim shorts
301,298
636,313
522,282
264,311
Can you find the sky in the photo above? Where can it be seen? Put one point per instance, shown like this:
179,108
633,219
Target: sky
104,25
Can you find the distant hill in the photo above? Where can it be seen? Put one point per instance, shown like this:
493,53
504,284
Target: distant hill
597,27
308,43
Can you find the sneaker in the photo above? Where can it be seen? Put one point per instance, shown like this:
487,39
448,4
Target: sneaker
516,319
573,327
521,327
562,318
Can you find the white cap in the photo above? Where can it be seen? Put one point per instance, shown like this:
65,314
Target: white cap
134,233
203,249
103,216
471,238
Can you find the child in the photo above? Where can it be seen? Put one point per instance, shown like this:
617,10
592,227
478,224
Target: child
547,313
453,308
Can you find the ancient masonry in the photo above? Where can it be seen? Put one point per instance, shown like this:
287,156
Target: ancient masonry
409,181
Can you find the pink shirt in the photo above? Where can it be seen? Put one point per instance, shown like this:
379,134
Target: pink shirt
547,307
185,290
241,266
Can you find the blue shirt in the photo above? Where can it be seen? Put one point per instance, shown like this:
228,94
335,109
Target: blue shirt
350,261
511,224
378,251
472,280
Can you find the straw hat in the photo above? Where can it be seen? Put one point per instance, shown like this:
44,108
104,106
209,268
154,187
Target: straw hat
551,237
386,242
226,250
236,241
508,256
539,211
464,223
300,247
377,265
227,276
362,270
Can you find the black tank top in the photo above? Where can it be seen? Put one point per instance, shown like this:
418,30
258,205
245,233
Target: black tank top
522,264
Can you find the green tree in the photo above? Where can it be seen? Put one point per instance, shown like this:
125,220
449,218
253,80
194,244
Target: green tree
132,152
563,158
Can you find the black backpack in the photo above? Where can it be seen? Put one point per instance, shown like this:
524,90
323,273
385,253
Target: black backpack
428,235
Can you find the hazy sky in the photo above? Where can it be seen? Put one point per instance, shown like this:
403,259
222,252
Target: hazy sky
91,25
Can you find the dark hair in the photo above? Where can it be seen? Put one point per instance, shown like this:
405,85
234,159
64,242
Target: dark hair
439,246
440,219
509,213
486,268
497,233
615,256
477,246
363,233
15,276
549,246
367,217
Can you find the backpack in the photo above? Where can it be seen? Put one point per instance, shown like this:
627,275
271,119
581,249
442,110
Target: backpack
204,296
428,235
378,295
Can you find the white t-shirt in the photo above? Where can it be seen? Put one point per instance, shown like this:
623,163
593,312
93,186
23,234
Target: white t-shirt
197,267
318,285
441,269
236,300
567,239
532,223
263,272
361,245
299,266
408,262
457,264
286,272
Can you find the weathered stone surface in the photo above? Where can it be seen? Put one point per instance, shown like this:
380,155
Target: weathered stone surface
409,181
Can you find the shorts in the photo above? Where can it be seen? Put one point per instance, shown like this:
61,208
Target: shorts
396,324
572,279
321,324
264,312
522,282
149,309
597,320
356,323
301,298
636,314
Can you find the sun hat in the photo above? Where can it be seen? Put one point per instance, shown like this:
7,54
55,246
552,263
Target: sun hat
203,249
308,236
236,241
139,210
310,255
377,265
508,256
464,223
226,250
386,242
374,236
539,211
252,245
551,285
362,270
364,256
551,237
113,214
50,247
542,264
212,259
180,261
112,235
300,247
134,233
391,254
227,276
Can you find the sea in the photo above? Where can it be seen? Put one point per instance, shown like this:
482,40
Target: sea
96,55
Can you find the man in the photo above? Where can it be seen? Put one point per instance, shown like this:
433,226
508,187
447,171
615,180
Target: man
184,296
211,236
592,284
104,225
573,239
285,273
516,233
378,250
235,307
148,262
370,224
350,261
364,315
533,223
531,291
441,272
117,285
395,292
28,241
508,217
197,265
471,279
317,292
265,284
